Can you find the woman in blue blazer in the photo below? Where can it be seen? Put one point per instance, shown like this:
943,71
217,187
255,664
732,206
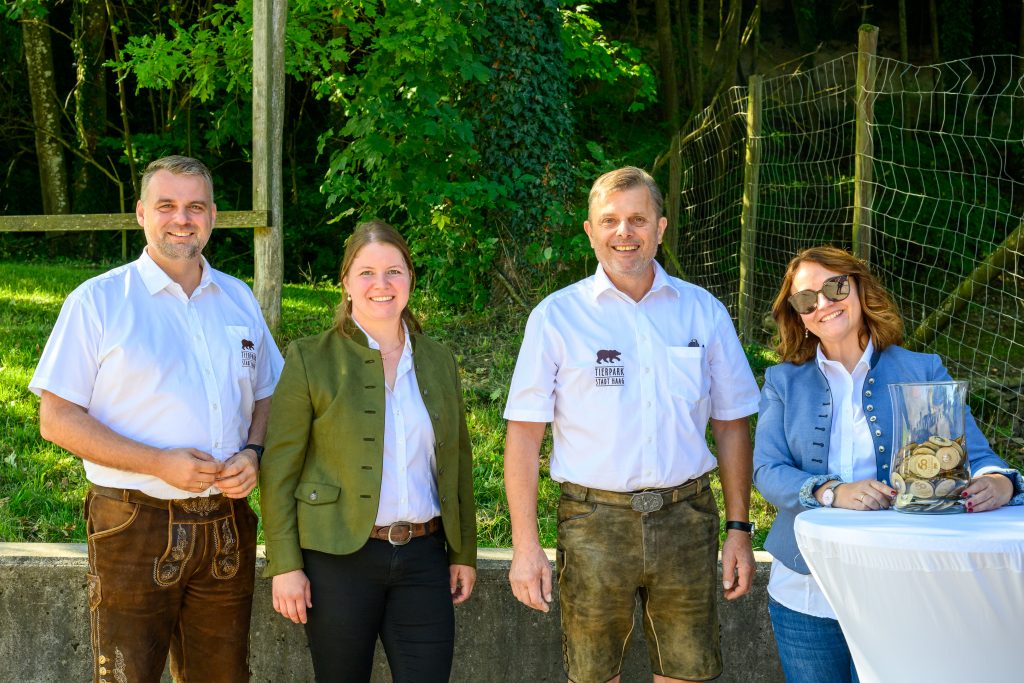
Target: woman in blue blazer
824,435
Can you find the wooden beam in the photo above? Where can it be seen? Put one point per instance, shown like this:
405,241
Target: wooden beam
118,221
748,219
269,18
866,50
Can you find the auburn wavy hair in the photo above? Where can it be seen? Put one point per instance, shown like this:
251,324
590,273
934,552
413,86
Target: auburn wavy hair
883,324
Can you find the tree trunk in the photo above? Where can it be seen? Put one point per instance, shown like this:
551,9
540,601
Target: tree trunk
53,177
685,40
669,82
904,45
933,13
729,44
90,29
1020,46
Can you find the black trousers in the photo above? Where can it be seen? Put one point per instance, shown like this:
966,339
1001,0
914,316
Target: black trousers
398,593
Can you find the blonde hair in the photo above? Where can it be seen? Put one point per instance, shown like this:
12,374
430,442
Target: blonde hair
178,165
882,321
625,178
372,232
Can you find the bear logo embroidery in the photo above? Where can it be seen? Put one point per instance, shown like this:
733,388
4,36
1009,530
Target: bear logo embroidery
608,356
248,354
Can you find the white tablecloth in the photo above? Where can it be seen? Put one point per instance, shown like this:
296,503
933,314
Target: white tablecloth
923,597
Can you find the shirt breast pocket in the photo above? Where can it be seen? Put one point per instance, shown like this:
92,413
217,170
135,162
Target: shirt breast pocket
242,352
687,376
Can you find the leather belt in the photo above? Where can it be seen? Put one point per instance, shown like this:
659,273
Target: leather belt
400,533
648,500
197,508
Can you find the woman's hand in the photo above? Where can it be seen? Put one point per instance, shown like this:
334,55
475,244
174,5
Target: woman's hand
292,596
461,579
988,492
866,494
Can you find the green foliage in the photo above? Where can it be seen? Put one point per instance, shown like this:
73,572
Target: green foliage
592,57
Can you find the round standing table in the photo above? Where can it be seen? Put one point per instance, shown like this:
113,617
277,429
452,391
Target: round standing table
923,597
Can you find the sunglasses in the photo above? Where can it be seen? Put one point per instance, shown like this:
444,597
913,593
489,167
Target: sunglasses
835,289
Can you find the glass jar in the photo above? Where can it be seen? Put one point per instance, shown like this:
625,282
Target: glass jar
929,463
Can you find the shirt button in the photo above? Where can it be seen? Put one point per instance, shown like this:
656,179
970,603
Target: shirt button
648,404
871,380
873,418
868,393
646,370
885,467
881,449
878,432
869,408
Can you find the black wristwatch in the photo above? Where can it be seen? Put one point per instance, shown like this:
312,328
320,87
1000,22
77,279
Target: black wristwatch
741,526
257,449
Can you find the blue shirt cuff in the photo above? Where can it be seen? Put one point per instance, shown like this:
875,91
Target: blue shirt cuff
807,498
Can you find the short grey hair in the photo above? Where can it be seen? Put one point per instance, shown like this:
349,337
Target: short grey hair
625,178
178,165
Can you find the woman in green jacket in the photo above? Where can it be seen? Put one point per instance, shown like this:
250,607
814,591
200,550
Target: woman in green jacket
366,484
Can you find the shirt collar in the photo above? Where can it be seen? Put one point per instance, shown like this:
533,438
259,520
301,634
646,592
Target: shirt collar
865,358
156,280
375,345
602,283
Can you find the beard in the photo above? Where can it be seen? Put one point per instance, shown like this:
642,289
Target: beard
179,251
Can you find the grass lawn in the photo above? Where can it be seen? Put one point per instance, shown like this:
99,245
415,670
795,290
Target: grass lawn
42,487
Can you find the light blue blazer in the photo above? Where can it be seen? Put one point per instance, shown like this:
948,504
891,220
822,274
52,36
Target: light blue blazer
794,424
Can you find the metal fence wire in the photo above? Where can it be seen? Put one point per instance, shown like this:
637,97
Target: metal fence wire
945,213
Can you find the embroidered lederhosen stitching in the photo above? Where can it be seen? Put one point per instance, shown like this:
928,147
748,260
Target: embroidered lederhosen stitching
200,506
95,596
167,569
226,553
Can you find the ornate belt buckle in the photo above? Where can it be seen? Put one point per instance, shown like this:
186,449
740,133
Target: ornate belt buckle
408,531
646,501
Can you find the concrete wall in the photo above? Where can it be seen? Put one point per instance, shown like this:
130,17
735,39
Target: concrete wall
44,628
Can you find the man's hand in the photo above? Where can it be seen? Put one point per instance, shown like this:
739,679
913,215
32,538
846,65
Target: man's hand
239,475
291,595
530,577
461,579
737,564
188,469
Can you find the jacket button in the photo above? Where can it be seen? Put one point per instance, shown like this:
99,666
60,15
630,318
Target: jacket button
878,432
440,444
881,449
440,471
426,391
444,499
873,419
312,495
868,393
885,467
869,408
871,380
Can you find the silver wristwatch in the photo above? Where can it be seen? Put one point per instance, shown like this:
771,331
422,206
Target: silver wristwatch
828,496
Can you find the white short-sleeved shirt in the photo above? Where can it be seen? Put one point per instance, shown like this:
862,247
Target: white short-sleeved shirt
408,488
159,367
629,386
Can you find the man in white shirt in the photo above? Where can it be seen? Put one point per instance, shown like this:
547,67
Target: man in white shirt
629,365
158,374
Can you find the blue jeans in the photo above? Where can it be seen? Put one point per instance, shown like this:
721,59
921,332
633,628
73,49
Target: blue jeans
811,649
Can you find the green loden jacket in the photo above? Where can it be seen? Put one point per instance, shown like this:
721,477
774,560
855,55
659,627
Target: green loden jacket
321,473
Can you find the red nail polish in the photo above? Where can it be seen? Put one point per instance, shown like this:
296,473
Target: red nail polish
964,494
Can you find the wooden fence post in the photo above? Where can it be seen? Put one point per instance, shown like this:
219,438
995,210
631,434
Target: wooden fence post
866,49
748,219
269,17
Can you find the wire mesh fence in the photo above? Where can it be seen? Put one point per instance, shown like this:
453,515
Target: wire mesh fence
945,218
